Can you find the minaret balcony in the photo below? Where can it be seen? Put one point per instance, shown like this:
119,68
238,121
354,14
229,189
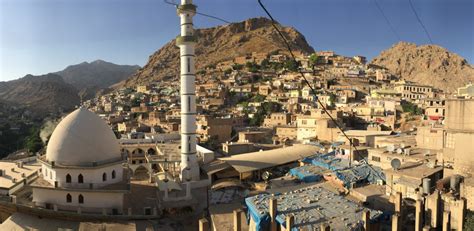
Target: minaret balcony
186,8
188,39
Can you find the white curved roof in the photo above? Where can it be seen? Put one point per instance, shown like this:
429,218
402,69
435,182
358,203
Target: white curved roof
82,138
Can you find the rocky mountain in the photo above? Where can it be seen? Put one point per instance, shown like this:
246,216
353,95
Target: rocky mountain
89,78
41,94
218,44
427,64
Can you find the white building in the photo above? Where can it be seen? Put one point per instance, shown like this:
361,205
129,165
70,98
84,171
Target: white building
82,169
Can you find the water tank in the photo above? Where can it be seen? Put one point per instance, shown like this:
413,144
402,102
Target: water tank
426,186
454,182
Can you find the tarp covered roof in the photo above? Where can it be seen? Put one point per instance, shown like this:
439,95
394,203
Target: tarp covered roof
266,159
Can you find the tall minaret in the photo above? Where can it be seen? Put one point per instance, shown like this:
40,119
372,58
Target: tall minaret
186,42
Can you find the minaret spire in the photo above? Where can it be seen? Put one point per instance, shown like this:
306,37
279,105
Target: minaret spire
186,42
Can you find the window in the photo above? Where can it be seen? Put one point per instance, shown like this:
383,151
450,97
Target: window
104,176
68,178
189,103
80,179
376,158
68,198
189,65
80,198
46,172
113,174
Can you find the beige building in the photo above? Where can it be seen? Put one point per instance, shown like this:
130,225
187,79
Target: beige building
277,119
414,91
209,127
459,137
143,89
317,126
466,91
430,137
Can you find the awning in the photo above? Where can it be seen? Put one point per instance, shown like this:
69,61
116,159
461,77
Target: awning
266,159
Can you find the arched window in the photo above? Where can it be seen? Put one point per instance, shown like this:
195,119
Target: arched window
113,174
46,172
68,198
80,179
104,176
80,198
68,178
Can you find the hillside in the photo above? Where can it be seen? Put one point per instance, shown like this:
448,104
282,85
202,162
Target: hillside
89,78
427,64
218,44
41,94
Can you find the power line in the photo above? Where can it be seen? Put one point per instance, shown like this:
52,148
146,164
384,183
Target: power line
310,86
199,13
421,22
387,20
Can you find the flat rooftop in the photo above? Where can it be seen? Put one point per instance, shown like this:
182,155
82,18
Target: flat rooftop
312,206
414,170
14,173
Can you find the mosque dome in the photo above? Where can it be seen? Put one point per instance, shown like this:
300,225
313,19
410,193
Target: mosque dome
82,138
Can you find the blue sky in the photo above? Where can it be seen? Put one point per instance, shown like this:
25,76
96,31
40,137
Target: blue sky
41,36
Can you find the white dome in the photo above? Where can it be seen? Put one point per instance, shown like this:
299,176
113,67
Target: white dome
82,138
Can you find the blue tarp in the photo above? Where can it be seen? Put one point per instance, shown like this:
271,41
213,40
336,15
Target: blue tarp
360,174
306,173
262,221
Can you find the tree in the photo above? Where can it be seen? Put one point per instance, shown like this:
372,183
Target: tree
33,141
228,71
252,67
265,109
237,67
291,65
265,64
313,60
258,98
411,108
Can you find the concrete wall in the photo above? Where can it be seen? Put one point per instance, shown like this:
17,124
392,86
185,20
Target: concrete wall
93,201
430,138
459,114
90,175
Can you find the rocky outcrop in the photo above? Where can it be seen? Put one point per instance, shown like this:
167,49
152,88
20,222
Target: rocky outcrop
219,44
427,64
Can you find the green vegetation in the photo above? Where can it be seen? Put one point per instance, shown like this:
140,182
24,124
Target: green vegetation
313,60
228,71
237,67
258,98
411,108
291,65
252,67
277,66
33,141
265,64
19,137
469,221
266,109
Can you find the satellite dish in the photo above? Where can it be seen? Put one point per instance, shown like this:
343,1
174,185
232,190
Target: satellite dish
395,164
399,151
390,148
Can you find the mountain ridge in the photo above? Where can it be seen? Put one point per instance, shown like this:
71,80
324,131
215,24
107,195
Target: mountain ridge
220,43
426,64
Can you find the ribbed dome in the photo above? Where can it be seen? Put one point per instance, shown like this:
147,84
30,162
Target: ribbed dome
82,138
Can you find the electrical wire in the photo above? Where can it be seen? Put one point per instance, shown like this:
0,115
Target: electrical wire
199,13
387,20
313,91
421,22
